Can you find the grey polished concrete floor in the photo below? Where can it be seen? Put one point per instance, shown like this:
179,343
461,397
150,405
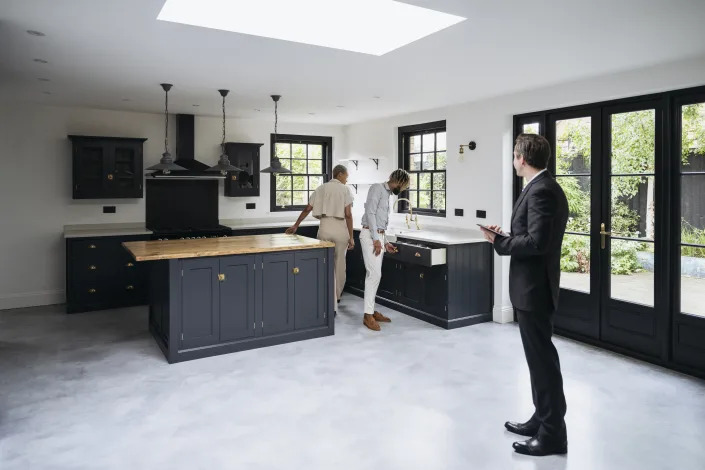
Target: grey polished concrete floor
93,391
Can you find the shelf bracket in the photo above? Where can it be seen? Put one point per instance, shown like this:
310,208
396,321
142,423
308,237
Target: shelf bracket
376,160
356,162
354,186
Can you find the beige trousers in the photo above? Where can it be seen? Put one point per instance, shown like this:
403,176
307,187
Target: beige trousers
336,231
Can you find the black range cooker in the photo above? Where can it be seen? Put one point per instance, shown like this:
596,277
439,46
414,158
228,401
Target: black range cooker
190,233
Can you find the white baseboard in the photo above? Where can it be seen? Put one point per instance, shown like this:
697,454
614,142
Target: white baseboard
32,299
503,314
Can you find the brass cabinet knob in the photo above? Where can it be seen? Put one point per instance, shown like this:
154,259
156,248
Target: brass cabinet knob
91,291
92,247
233,177
110,177
92,267
221,277
129,287
295,270
421,275
129,265
417,254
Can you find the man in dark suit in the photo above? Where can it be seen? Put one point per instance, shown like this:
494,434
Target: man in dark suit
538,223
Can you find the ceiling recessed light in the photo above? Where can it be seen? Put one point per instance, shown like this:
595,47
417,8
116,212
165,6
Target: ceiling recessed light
41,61
126,99
47,92
195,105
43,79
258,110
340,106
35,33
387,24
312,114
377,97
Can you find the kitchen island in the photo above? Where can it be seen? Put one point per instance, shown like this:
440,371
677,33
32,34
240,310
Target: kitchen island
221,295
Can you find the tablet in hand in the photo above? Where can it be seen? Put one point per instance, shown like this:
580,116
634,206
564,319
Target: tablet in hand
484,227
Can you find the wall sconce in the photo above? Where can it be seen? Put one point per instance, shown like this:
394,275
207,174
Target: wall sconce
471,145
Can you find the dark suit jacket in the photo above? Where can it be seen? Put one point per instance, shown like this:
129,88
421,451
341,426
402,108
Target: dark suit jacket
538,222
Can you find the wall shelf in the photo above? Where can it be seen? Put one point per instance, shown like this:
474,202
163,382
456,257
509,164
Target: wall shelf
356,161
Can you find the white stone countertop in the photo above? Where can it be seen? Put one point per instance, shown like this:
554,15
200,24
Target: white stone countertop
272,222
436,234
105,230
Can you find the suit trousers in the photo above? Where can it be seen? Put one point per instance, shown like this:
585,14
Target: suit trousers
536,328
336,231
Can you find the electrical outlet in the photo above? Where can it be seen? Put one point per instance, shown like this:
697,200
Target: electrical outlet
459,212
109,209
481,214
249,205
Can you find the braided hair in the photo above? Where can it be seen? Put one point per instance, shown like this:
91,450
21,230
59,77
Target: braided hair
400,176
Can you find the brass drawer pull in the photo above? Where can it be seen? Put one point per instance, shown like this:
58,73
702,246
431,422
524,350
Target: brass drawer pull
91,291
418,255
129,265
92,247
221,277
110,177
92,267
295,270
421,275
129,287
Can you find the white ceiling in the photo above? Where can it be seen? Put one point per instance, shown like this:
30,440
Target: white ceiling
101,52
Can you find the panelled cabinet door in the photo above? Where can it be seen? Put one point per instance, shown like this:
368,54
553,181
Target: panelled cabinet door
277,293
90,169
199,303
126,169
412,285
237,298
310,286
389,284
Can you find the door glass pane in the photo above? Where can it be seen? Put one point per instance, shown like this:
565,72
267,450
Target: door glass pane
693,207
633,142
632,271
577,191
575,263
693,137
572,145
693,280
633,206
531,128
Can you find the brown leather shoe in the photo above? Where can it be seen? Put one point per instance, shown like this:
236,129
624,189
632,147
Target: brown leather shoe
370,322
379,317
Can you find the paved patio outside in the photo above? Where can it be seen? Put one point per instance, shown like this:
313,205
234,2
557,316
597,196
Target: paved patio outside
639,288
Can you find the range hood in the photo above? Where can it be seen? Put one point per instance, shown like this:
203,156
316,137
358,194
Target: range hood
185,154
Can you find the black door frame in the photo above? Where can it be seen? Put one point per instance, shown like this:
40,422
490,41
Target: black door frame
675,353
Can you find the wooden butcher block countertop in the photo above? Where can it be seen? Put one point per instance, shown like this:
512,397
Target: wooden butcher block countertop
175,249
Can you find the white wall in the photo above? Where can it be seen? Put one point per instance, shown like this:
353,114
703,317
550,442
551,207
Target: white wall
35,185
483,180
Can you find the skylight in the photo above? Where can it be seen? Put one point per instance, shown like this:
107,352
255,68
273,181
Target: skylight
368,26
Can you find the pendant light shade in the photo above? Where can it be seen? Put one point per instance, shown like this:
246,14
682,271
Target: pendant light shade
223,165
166,164
276,165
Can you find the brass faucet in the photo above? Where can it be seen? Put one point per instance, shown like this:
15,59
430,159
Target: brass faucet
410,216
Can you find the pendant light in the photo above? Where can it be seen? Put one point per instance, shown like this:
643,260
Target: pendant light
166,163
276,165
223,165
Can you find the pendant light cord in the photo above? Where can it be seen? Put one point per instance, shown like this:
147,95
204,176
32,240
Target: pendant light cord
276,121
166,121
222,145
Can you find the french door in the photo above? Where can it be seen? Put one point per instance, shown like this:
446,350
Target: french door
633,255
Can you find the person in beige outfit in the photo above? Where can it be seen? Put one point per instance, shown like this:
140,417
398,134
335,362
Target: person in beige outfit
332,203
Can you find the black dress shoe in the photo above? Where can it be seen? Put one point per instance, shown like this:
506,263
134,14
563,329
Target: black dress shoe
529,429
539,447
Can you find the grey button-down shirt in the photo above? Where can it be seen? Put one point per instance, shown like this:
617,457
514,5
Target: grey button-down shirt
376,215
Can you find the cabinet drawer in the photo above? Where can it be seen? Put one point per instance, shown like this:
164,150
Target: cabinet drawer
419,254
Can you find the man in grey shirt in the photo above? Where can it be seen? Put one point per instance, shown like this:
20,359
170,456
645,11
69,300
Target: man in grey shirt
372,240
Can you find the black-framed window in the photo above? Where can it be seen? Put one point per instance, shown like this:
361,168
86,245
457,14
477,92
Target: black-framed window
309,159
422,152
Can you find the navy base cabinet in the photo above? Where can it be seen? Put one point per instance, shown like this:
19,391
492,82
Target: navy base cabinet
202,307
457,291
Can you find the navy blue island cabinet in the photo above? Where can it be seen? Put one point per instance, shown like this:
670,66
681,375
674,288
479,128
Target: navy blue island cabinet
204,305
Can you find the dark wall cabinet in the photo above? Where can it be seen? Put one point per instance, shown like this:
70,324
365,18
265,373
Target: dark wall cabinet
244,156
446,285
107,167
101,274
207,306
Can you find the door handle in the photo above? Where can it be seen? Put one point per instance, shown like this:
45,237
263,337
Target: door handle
417,254
603,234
221,277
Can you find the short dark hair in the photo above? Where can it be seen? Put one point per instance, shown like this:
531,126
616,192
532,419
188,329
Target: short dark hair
534,148
338,169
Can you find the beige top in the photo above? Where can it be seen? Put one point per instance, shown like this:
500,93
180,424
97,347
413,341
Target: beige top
175,249
330,200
